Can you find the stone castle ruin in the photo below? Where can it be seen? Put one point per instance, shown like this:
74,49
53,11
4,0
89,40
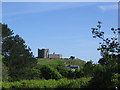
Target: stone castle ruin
44,53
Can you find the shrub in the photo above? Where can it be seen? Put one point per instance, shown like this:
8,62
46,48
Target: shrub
50,73
65,72
63,83
115,81
80,83
35,74
51,83
102,77
79,73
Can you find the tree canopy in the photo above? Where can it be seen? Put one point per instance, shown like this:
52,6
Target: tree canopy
17,55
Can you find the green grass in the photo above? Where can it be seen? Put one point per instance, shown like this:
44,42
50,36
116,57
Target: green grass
55,63
41,60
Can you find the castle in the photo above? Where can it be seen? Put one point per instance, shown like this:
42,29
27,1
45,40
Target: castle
44,53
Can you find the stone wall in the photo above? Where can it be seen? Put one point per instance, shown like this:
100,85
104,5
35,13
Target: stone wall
43,53
55,56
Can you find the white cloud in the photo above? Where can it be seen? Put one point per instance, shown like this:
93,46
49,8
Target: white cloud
108,7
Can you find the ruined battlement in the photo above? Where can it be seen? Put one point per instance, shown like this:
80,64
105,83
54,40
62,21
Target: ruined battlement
44,53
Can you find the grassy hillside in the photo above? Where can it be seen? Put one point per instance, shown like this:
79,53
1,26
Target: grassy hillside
55,63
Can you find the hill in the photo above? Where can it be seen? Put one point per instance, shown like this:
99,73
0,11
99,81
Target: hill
55,63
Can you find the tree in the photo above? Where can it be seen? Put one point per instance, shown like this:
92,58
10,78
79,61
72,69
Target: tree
115,81
110,61
88,69
109,47
72,57
101,78
6,32
17,56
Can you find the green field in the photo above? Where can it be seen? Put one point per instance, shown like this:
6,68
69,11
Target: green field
55,63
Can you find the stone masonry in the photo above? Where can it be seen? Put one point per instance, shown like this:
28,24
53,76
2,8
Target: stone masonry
44,53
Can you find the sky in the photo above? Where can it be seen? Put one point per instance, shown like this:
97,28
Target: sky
61,27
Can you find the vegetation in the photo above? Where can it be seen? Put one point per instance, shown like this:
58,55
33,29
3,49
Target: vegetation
72,57
67,73
4,72
17,56
43,60
22,70
110,62
50,73
51,83
55,63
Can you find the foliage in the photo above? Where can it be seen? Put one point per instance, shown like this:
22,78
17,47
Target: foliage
6,32
17,56
109,46
88,69
102,75
51,83
4,72
101,78
115,81
36,74
50,73
109,63
33,74
72,57
20,64
81,83
79,73
65,72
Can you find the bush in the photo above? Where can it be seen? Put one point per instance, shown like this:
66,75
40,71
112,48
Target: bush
65,72
88,69
79,73
102,77
51,83
34,74
80,83
115,81
63,83
30,74
50,73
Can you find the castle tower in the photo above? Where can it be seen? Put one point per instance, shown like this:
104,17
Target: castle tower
43,53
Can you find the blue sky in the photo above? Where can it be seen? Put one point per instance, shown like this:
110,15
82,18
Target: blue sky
63,27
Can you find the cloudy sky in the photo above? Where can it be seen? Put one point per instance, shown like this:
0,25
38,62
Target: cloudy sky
63,27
